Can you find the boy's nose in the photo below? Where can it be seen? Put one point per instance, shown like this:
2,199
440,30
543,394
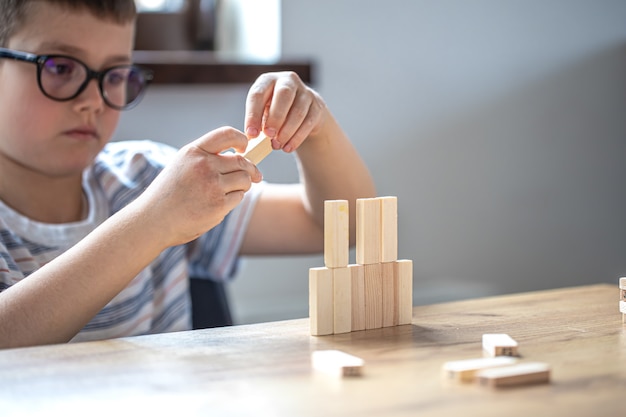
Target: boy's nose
90,97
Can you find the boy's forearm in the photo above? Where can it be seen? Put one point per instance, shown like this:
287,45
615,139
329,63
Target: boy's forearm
78,283
331,168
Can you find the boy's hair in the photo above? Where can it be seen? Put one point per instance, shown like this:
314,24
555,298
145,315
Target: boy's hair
13,13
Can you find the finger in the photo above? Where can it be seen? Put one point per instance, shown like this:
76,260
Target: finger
221,139
237,163
235,181
259,95
284,96
305,129
298,114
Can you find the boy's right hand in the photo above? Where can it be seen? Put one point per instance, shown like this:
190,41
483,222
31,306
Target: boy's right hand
199,187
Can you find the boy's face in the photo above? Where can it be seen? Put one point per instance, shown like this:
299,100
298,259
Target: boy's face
55,138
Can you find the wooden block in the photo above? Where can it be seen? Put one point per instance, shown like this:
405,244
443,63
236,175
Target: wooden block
465,370
389,229
519,374
321,301
258,148
404,273
622,307
622,283
336,233
373,296
499,344
337,363
357,273
390,294
368,236
622,287
342,300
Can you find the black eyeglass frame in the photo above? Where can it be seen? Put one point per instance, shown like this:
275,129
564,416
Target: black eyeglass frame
40,60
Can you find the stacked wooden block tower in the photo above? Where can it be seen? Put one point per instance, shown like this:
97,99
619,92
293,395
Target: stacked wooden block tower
375,292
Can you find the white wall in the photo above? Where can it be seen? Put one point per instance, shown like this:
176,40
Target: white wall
500,126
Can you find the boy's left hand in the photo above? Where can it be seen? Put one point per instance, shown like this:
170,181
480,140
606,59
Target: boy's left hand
284,108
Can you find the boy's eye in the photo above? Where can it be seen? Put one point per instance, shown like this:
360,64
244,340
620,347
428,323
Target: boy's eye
115,77
60,66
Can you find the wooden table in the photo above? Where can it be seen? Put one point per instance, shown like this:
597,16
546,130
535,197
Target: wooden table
264,369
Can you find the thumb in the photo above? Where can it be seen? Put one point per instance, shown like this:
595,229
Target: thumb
222,139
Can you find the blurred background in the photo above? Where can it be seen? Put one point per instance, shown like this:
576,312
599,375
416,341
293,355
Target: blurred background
500,126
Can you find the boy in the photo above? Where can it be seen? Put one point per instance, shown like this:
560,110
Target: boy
97,239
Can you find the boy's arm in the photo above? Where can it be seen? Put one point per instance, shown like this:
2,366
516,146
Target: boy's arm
192,194
289,218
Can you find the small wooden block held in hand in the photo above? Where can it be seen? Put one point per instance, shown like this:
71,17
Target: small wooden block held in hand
337,363
258,148
520,374
499,344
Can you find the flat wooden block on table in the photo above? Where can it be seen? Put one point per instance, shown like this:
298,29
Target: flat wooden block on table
337,363
466,369
258,148
499,344
342,300
622,283
336,233
321,314
519,374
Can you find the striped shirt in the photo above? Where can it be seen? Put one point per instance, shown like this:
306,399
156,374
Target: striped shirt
157,300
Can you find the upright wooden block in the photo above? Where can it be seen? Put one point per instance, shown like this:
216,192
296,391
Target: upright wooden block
342,300
622,298
390,294
368,233
373,296
357,273
389,229
466,369
404,273
499,344
337,363
258,148
519,374
336,233
321,301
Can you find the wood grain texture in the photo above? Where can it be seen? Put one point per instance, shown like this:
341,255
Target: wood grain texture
514,375
368,231
265,369
357,273
404,273
389,229
321,303
336,233
342,300
389,294
258,148
373,296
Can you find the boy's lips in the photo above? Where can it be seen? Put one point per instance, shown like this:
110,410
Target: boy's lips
83,132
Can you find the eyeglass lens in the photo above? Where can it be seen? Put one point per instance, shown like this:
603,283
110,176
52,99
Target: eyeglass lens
62,78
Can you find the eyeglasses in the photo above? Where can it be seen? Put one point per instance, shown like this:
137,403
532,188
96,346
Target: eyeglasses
63,78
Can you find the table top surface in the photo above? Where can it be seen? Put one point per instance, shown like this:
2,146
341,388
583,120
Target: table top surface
265,369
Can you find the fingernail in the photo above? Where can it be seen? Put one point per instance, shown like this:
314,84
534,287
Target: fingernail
252,132
275,144
270,132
